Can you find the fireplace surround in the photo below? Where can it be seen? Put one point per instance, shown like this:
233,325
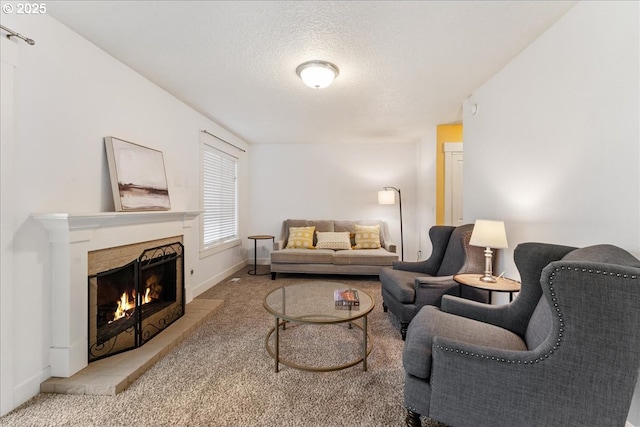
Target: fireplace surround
73,237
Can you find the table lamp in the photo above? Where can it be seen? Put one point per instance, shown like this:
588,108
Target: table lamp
488,234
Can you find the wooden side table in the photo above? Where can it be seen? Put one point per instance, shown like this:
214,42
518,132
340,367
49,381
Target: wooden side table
501,285
255,239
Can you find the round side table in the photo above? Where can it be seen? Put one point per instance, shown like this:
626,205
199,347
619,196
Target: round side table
255,239
501,285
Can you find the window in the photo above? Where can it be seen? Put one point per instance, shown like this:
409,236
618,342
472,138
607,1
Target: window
219,198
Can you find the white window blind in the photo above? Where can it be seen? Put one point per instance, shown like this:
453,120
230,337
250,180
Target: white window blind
220,197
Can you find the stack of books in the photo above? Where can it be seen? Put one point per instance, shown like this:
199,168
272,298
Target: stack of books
346,299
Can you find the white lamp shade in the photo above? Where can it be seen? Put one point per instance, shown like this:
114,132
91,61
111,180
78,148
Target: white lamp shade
317,74
386,197
489,234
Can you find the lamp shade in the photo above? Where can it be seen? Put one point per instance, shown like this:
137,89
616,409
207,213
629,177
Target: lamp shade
317,74
489,234
386,197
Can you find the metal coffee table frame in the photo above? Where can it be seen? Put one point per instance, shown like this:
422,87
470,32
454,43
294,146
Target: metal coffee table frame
318,318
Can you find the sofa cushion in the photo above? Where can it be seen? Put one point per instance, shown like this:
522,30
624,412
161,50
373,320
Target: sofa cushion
367,236
303,256
333,240
350,226
320,225
301,237
364,257
430,321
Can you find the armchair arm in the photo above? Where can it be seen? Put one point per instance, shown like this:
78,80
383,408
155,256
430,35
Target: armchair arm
493,314
417,267
430,290
486,375
446,347
278,244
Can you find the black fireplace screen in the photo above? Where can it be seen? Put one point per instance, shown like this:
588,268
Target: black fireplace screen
131,304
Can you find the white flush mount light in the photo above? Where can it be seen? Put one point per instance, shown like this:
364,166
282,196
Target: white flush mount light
317,74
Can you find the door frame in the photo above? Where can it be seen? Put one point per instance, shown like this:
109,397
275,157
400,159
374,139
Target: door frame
450,148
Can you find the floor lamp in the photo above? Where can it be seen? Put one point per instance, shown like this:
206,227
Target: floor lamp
388,197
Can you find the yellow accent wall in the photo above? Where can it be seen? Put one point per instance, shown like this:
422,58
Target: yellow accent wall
444,133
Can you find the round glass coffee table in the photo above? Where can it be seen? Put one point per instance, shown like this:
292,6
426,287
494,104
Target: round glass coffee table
313,303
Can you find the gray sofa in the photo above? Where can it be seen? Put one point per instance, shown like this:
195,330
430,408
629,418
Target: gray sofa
329,261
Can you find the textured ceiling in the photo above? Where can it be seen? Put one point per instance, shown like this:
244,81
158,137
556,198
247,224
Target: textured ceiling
404,66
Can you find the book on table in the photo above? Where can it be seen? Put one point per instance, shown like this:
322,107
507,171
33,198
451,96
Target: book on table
346,299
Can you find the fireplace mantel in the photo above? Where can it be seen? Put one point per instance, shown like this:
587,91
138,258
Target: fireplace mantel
90,221
72,237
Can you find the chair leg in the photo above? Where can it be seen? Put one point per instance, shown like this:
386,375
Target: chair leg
384,307
273,276
412,419
403,330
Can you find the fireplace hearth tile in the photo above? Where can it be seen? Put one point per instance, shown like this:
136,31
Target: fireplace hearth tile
112,375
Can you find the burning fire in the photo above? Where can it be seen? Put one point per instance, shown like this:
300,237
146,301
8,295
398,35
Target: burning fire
127,302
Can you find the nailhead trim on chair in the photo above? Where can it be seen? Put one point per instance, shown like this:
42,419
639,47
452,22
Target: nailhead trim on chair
559,313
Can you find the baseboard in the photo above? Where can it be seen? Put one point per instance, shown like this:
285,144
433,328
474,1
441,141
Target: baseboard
212,281
30,388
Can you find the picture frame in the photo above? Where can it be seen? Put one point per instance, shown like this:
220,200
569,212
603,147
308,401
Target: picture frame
138,177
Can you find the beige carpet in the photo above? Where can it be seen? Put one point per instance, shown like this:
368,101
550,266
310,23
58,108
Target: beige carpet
223,376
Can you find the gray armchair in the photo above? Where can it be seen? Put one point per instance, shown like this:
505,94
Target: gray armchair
408,286
565,352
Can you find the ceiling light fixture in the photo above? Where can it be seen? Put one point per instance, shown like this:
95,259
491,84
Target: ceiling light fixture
317,74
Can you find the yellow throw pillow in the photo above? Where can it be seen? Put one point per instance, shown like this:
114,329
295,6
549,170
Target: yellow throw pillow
301,237
333,240
367,236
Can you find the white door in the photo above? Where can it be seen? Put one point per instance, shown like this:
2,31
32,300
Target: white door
453,183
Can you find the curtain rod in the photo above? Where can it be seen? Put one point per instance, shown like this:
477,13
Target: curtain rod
20,36
217,137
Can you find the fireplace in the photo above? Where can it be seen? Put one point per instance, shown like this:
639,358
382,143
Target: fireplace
134,292
77,244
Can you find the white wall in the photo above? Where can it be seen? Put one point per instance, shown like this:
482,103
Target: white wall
8,53
555,147
67,96
426,187
332,181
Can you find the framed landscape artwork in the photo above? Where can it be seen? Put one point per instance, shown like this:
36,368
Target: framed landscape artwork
138,178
